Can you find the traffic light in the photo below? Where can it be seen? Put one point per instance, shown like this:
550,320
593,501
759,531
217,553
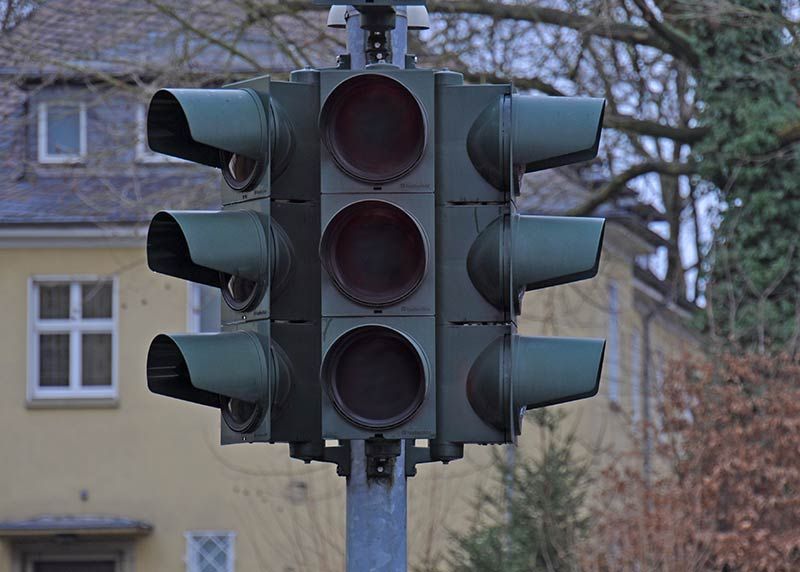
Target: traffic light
377,250
259,249
488,256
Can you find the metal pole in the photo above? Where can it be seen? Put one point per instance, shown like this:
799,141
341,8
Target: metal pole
376,515
377,503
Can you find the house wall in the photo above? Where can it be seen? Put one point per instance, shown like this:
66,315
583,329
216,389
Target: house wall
148,457
158,459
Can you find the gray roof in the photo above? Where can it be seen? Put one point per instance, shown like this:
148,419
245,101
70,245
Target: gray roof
75,524
177,39
97,200
85,37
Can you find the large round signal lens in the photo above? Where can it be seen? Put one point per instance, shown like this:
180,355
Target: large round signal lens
375,252
375,376
374,128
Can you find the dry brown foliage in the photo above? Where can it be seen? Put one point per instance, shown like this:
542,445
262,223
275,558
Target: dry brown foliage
724,493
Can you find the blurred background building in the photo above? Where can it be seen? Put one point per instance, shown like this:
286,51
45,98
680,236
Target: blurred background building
98,474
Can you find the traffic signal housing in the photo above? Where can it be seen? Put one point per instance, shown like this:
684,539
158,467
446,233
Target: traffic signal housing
258,250
489,255
377,252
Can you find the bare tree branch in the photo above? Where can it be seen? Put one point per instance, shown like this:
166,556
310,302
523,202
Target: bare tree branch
612,120
623,32
618,183
680,45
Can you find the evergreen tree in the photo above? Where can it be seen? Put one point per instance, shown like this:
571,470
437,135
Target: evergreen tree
533,517
748,86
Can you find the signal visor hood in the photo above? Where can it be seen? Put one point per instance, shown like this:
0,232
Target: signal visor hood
199,245
201,368
196,124
516,373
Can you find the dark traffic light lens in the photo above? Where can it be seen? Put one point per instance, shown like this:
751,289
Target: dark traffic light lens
239,293
240,172
375,377
375,252
240,416
374,127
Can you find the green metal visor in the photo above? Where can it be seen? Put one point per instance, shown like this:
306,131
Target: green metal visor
535,133
516,373
199,246
549,132
196,124
545,251
202,368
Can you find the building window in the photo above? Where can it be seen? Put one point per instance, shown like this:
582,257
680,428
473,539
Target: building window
204,309
613,343
62,132
209,551
143,152
73,338
636,378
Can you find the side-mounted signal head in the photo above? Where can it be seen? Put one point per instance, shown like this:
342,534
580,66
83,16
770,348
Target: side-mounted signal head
517,373
524,133
225,128
374,128
231,250
544,251
231,371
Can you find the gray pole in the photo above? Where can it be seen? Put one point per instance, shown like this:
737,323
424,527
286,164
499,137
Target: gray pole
376,515
376,505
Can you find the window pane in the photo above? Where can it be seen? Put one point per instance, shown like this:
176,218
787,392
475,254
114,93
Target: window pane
54,301
96,360
54,360
63,130
210,553
74,566
96,298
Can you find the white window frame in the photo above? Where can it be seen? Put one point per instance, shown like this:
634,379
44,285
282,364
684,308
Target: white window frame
44,156
613,342
74,327
143,152
33,559
191,537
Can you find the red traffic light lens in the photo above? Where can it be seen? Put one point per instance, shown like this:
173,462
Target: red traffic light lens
375,252
375,376
374,127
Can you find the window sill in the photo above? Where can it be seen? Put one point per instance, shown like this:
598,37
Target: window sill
160,160
65,160
73,403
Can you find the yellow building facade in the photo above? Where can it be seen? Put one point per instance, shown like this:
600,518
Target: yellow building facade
111,478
